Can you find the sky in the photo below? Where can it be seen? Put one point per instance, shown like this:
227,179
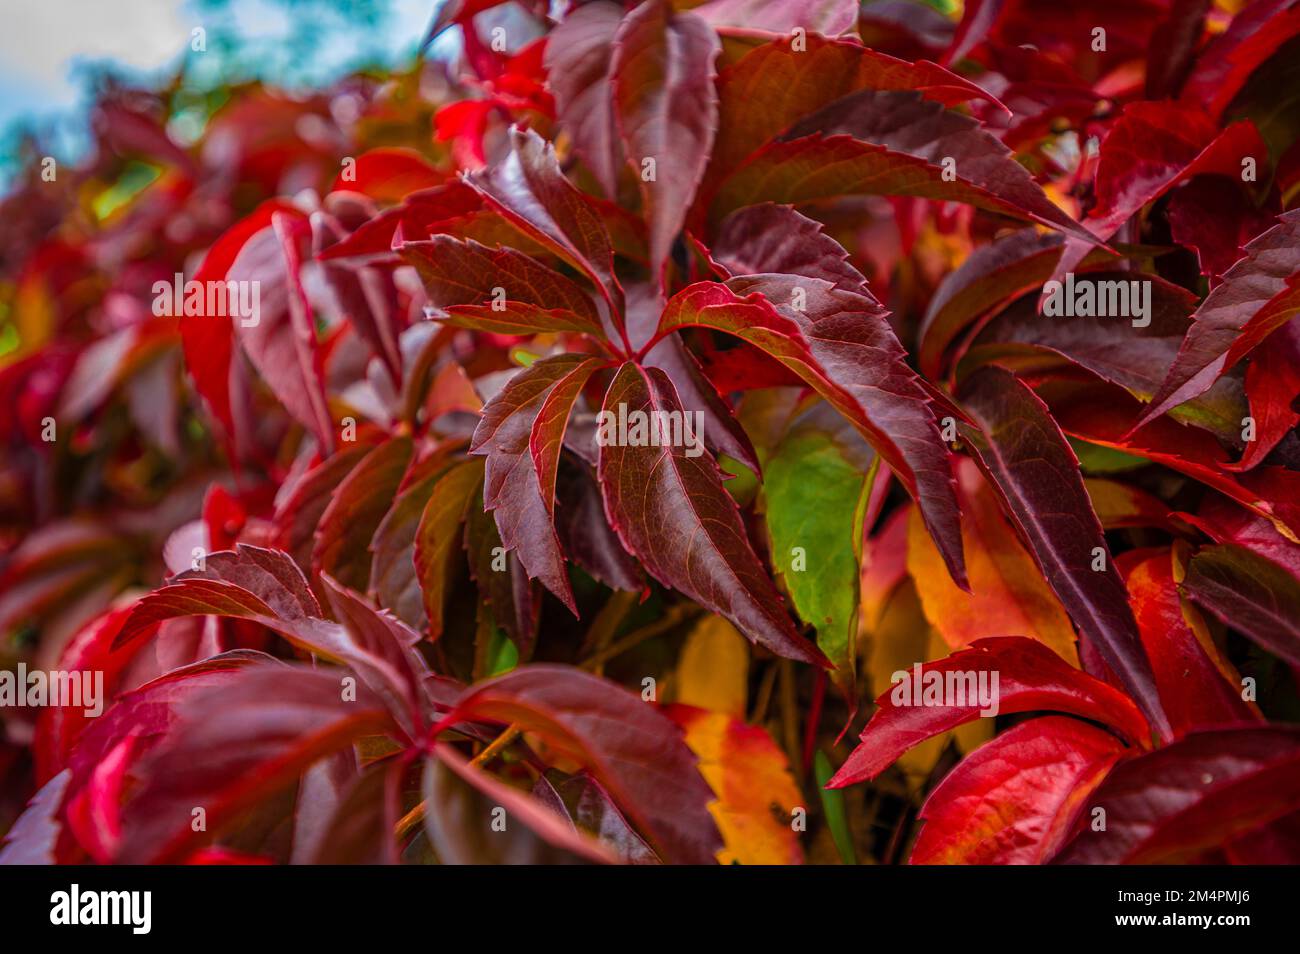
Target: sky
47,44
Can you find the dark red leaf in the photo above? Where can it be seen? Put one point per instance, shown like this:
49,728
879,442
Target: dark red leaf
464,817
828,17
521,434
1251,594
841,344
1272,385
528,188
1154,146
771,238
578,53
1258,295
661,75
629,746
1105,416
891,143
359,503
281,339
591,810
438,537
33,837
208,340
992,276
462,278
585,533
1028,460
1173,804
774,86
1223,68
671,510
234,746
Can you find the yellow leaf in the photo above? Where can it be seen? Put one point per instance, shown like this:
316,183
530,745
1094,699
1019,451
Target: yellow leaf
713,672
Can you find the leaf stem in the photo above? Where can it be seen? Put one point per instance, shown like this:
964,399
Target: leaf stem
494,749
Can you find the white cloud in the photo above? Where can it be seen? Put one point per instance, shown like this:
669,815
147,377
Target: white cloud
43,38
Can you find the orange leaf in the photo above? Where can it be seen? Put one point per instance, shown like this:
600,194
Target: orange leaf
756,794
1008,596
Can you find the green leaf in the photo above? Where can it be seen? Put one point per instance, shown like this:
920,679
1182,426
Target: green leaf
837,820
813,483
1095,459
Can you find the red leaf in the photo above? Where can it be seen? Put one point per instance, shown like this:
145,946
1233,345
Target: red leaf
520,433
1226,64
992,276
420,215
459,820
722,432
630,747
1104,415
891,143
208,339
578,53
828,17
1215,217
1194,688
384,656
1226,522
234,746
1027,459
90,651
841,344
462,278
1030,677
672,511
281,342
528,188
1135,358
267,588
1250,593
1154,146
1173,804
361,499
1258,295
366,296
774,86
584,530
302,500
1272,385
388,174
771,238
1013,800
393,576
589,808
137,722
662,82
33,837
977,18
438,537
